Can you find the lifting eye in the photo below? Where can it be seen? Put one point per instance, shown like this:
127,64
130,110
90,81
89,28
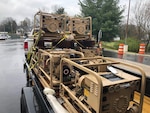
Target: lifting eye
66,70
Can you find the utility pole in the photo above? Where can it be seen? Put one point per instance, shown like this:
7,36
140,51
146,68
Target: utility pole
127,22
126,46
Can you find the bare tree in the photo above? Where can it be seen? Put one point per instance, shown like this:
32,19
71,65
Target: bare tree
26,24
142,18
9,25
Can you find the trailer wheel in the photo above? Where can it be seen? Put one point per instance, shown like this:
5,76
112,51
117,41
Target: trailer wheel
27,104
29,83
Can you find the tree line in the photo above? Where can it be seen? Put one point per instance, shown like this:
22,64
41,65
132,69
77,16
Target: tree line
10,25
107,16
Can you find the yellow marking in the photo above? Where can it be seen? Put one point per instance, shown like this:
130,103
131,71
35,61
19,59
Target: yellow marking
86,92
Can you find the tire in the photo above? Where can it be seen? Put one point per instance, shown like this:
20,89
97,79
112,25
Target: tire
23,104
29,83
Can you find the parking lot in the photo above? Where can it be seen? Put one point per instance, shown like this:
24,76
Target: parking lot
12,78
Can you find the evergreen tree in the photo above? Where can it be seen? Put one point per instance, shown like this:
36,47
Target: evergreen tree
106,16
60,10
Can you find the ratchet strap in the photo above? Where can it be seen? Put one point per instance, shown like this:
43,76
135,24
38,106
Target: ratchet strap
65,37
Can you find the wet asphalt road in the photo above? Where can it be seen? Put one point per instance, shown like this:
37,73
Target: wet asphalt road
12,78
143,59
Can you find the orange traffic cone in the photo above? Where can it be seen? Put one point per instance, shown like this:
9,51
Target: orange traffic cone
120,49
142,49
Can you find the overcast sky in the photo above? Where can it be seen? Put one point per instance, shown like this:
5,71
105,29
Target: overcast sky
19,9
